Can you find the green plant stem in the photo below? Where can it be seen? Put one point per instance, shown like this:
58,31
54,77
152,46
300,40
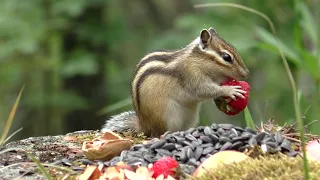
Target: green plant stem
287,68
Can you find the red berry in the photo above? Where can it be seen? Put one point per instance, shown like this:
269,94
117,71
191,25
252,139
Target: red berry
233,107
166,166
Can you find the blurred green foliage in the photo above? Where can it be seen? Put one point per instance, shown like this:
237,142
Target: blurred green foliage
76,57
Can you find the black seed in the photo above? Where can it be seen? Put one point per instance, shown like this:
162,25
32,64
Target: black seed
206,139
234,132
192,162
178,146
208,150
241,138
207,145
223,139
221,132
187,143
260,137
286,145
200,128
196,134
85,161
157,144
246,134
198,153
137,147
66,162
225,146
179,139
124,153
239,128
164,152
114,161
189,153
252,141
169,146
165,134
196,143
190,137
135,162
77,168
250,130
226,126
208,130
236,145
149,158
217,146
181,156
273,145
279,137
214,126
266,139
191,130
214,138
58,162
171,139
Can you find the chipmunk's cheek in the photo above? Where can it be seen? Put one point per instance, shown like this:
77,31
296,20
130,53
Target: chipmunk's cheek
233,107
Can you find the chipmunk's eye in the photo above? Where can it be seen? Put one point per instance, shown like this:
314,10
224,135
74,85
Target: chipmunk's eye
226,57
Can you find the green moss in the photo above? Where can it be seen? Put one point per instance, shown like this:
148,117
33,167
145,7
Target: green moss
280,167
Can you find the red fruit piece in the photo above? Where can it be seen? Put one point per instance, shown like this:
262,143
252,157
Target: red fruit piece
239,104
230,106
166,166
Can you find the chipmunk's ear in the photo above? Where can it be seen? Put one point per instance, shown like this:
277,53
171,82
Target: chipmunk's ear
212,31
204,38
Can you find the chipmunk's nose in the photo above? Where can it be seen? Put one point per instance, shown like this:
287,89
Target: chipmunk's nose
244,73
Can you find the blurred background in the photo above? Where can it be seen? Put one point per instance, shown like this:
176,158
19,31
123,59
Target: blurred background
76,57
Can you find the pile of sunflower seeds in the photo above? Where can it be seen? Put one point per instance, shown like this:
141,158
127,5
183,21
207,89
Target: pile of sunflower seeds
190,148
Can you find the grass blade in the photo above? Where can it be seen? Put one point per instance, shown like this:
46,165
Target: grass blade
11,117
39,165
248,118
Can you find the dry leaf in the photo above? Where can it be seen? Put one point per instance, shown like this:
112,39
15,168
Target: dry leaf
106,147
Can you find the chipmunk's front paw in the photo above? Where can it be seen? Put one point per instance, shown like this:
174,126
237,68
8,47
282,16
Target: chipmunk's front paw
233,92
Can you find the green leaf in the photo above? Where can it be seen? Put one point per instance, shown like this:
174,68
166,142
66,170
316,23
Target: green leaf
310,64
248,118
272,40
81,63
307,22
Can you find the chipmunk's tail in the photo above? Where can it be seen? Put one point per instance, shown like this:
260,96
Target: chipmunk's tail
124,122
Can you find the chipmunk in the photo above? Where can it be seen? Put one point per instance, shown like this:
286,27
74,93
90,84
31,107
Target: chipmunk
168,87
